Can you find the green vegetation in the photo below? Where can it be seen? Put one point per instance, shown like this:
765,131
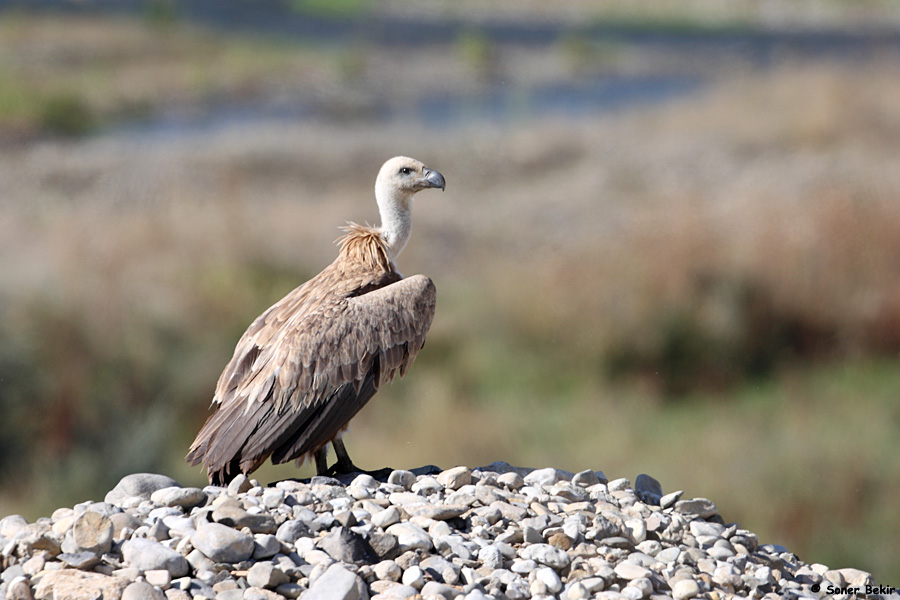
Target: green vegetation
342,9
477,52
70,76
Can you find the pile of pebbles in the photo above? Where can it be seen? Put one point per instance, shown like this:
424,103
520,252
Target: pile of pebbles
497,532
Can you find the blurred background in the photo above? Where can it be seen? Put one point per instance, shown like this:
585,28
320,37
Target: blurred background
670,242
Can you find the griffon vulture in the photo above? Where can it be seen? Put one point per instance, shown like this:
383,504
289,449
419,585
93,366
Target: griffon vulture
309,363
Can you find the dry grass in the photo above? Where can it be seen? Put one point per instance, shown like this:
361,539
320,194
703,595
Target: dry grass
770,202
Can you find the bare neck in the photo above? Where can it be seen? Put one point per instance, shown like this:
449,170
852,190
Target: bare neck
396,218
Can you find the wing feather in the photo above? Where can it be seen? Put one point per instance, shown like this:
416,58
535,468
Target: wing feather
303,370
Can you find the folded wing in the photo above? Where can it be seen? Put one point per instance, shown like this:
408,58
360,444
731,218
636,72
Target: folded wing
305,368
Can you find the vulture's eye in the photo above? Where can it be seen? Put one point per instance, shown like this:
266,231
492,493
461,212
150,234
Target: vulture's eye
405,170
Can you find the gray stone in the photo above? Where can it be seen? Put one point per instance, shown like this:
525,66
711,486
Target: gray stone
147,555
386,517
490,557
34,565
140,590
177,594
158,577
410,537
385,545
141,485
703,528
701,507
438,512
578,591
199,561
414,577
159,531
397,591
657,521
12,525
618,485
181,524
272,498
80,560
544,477
239,485
179,496
636,530
266,575
238,518
289,590
512,480
290,531
686,588
11,573
222,544
265,546
670,499
720,553
345,545
629,571
440,569
73,584
18,589
856,577
586,478
337,583
648,489
345,517
546,555
455,478
365,481
93,532
668,555
34,537
388,570
550,579
638,588
433,588
404,479
427,485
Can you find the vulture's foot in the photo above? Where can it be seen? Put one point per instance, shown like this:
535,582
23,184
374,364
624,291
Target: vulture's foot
346,468
344,465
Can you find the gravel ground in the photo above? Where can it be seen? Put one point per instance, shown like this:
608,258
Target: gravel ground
495,532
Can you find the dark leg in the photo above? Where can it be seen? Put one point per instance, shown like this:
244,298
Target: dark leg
321,456
345,465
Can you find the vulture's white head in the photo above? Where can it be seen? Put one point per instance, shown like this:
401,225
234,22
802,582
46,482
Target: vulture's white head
398,181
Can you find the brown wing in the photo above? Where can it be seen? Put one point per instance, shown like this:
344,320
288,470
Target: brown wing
317,366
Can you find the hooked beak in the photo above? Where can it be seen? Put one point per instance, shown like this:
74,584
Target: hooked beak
433,179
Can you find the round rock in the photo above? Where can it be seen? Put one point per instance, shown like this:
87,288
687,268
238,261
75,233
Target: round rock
141,485
686,588
147,555
93,532
629,571
455,478
179,496
338,583
140,590
547,476
546,555
222,544
410,537
648,489
266,575
701,507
